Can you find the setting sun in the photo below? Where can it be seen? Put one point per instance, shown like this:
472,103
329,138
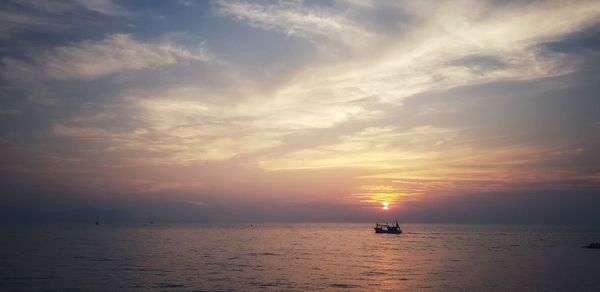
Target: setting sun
385,205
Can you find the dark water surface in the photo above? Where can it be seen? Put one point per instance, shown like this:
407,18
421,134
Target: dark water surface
297,257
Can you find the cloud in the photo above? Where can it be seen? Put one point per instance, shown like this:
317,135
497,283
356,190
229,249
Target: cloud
22,15
433,52
107,7
316,23
179,125
197,203
370,148
439,46
47,76
12,22
116,53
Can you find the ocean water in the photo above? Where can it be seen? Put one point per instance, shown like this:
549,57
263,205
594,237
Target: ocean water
297,257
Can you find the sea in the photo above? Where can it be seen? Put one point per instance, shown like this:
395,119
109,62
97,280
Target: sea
297,257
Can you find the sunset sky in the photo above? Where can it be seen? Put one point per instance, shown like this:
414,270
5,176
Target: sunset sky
474,111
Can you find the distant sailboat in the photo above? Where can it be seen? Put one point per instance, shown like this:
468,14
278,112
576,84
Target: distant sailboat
97,220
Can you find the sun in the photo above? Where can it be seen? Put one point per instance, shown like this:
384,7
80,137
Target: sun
385,205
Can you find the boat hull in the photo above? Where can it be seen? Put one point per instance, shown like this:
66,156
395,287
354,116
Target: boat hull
387,228
389,231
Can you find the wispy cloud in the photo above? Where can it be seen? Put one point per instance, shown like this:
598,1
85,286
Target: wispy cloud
43,74
108,7
12,22
316,23
25,15
92,59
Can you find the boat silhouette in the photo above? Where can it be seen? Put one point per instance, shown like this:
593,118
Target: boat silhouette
594,245
387,228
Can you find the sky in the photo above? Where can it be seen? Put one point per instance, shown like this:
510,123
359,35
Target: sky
226,110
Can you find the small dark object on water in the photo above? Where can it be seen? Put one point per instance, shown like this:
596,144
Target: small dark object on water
595,245
387,228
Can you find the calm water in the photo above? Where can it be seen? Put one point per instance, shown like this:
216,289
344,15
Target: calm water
298,257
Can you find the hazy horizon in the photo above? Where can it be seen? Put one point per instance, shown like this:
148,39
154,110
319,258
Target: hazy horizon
303,111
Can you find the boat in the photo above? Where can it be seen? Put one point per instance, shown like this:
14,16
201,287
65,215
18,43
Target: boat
387,228
594,245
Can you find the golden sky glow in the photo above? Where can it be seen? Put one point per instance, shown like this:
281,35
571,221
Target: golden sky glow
363,103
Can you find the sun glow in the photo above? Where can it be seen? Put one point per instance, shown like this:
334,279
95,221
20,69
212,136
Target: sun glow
385,205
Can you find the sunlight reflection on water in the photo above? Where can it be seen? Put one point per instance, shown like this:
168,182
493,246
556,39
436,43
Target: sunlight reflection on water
298,257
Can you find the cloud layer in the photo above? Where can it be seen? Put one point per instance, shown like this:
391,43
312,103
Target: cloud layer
385,101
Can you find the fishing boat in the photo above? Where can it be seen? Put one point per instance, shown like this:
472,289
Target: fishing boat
387,228
595,245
